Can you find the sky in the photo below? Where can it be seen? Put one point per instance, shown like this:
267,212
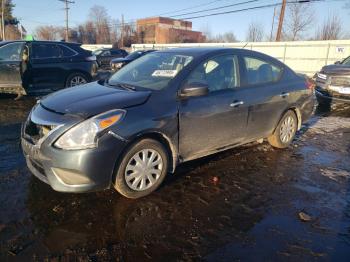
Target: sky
50,12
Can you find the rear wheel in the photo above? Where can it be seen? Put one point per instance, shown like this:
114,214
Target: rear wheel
142,169
285,131
76,79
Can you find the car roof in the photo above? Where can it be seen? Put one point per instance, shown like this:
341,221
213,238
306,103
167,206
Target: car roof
41,41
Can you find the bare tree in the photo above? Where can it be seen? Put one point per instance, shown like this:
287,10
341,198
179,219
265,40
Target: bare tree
255,32
299,19
48,33
100,19
206,31
228,37
331,29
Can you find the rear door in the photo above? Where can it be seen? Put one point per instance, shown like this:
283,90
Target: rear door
217,120
47,66
268,95
10,66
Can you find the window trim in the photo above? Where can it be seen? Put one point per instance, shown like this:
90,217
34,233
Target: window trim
237,69
244,66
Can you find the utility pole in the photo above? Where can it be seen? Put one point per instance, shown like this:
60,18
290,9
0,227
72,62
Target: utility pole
280,22
66,8
273,23
3,2
122,33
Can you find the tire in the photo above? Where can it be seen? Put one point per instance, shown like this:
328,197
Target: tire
323,102
285,131
126,180
76,79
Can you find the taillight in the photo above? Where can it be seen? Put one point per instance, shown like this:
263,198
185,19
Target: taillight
310,84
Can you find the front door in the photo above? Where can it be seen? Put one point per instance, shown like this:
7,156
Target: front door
217,120
10,67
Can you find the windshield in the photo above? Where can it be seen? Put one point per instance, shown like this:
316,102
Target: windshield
153,71
97,52
346,61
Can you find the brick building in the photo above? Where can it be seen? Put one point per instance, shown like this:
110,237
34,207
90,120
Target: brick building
162,30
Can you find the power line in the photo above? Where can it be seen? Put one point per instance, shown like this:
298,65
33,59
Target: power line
192,7
216,8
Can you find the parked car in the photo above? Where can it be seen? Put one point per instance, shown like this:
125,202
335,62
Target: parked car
165,108
118,63
42,66
105,55
333,83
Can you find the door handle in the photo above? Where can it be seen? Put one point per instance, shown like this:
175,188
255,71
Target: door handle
284,95
236,103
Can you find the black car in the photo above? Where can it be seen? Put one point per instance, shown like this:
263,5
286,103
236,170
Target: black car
105,55
333,83
118,63
42,66
165,108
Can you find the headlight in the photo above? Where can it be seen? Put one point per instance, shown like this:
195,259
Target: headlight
118,65
84,135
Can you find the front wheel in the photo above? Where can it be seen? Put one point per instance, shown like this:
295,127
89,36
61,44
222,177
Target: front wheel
76,79
142,169
285,131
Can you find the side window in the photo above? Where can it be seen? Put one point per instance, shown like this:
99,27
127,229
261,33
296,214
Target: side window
66,52
218,73
46,51
260,71
11,52
106,53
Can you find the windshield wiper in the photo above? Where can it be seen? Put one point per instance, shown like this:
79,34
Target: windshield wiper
122,85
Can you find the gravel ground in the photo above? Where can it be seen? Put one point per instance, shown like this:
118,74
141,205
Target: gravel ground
253,203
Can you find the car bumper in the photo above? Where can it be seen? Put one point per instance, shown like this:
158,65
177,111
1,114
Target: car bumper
74,170
332,96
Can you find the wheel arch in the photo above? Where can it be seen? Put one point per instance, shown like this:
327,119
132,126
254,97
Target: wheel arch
159,137
297,113
75,71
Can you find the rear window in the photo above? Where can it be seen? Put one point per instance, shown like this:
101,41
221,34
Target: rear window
67,52
259,71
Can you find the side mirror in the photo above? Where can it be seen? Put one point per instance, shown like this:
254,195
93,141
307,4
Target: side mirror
337,63
194,89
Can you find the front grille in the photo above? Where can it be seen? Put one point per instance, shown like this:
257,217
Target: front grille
38,166
340,81
35,132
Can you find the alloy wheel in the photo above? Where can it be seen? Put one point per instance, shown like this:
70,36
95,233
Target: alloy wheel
287,129
143,169
77,80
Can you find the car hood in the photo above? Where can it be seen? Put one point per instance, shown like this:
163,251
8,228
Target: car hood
92,99
336,69
120,60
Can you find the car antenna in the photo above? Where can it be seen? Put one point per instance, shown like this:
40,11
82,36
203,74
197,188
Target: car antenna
245,45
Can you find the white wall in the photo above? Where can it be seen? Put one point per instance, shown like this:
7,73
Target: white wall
302,56
94,47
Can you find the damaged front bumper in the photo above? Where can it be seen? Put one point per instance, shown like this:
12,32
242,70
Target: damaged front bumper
69,170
